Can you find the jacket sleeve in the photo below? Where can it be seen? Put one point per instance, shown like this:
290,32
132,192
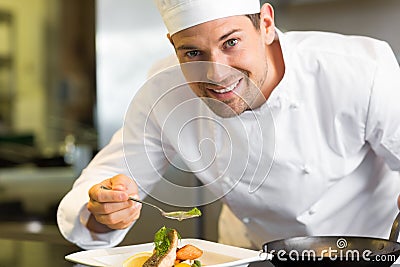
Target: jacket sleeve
72,213
383,121
136,151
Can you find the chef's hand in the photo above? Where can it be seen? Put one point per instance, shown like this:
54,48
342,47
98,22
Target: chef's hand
112,209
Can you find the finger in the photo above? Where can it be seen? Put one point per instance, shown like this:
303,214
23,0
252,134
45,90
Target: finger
99,194
105,208
126,223
122,182
96,207
121,218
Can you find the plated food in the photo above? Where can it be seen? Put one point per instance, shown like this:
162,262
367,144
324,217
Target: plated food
214,255
166,252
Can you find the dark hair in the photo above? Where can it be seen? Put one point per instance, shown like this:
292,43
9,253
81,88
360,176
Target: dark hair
255,19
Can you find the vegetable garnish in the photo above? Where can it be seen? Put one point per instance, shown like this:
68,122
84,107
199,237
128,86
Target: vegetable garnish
196,263
194,211
161,240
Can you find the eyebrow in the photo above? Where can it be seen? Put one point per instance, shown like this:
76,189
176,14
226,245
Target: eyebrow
223,37
186,47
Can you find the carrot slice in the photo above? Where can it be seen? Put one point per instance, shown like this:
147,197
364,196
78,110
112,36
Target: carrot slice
188,252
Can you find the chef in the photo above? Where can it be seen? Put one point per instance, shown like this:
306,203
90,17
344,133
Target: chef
297,133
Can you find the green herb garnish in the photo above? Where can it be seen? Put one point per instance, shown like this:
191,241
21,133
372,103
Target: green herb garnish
194,211
196,263
161,240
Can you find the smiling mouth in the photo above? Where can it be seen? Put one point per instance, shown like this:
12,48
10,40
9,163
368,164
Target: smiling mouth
226,89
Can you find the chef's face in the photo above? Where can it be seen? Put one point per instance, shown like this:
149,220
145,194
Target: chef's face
234,77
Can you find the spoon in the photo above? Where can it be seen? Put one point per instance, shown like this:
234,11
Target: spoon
175,215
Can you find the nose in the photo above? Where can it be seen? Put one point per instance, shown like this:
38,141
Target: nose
217,72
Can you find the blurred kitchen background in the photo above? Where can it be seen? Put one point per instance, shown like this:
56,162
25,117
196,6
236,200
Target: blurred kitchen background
68,71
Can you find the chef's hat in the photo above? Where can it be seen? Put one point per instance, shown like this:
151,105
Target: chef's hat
182,14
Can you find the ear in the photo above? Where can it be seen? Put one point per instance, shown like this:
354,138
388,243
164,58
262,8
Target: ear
267,24
170,39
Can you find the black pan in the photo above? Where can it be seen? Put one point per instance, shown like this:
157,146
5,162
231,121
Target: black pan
334,250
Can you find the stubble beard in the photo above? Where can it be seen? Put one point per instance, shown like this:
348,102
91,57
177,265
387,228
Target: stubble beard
250,97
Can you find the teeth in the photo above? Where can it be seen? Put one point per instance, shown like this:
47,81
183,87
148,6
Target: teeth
227,89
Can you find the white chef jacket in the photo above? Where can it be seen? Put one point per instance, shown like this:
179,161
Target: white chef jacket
320,157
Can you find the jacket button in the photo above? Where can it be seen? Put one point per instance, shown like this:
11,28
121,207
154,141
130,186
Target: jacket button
306,169
246,220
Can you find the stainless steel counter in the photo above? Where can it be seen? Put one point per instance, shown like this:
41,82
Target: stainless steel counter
37,189
19,253
23,248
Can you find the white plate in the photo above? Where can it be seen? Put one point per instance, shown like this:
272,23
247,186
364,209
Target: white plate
214,254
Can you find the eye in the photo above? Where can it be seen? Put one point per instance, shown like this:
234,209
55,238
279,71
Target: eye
231,43
192,54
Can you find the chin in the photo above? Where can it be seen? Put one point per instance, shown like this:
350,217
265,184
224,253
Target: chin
222,109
